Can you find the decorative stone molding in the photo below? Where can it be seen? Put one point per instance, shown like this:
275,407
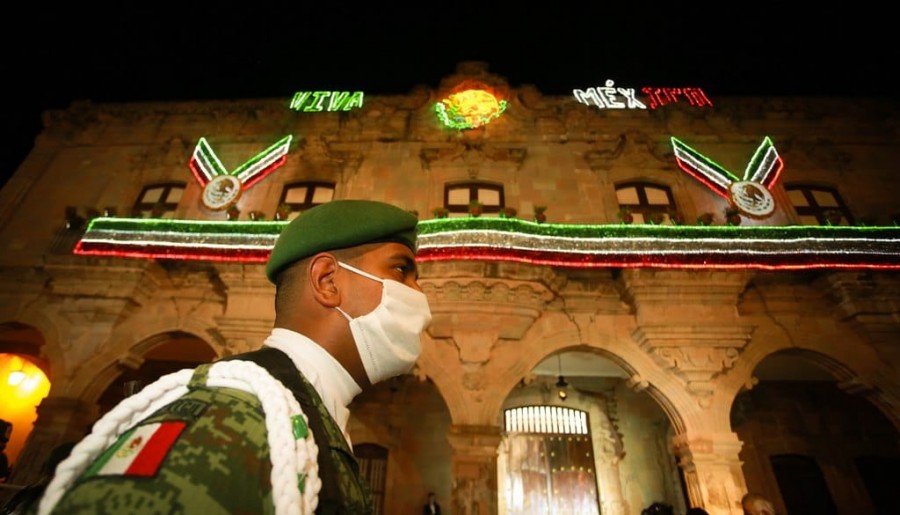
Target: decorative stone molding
856,385
684,289
867,300
524,294
130,361
106,278
598,159
241,334
247,321
633,147
593,293
472,155
21,280
697,354
323,155
637,383
244,286
497,308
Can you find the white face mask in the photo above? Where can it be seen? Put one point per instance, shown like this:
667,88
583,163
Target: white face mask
388,338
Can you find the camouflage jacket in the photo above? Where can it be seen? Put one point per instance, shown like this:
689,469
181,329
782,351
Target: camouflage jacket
207,453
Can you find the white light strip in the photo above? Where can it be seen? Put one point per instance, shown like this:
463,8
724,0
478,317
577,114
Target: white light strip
274,153
613,245
207,160
200,240
766,167
703,168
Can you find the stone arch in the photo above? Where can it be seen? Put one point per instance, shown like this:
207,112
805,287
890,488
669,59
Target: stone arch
854,363
511,361
610,338
121,356
609,442
24,340
49,351
21,347
420,455
807,404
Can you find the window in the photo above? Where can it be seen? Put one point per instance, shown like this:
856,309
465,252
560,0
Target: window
300,196
373,466
647,202
818,205
158,200
458,195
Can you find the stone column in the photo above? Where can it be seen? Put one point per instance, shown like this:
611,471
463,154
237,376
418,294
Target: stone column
712,471
249,309
608,453
59,420
474,489
868,301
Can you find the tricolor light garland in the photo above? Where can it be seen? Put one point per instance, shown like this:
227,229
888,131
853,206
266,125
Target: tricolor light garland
205,164
752,195
763,168
513,240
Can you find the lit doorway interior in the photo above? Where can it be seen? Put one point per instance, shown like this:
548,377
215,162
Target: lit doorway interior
549,461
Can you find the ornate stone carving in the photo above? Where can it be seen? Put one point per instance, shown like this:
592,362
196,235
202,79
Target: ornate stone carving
472,155
696,354
505,308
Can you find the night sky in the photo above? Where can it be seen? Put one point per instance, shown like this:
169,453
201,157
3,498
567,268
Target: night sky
160,51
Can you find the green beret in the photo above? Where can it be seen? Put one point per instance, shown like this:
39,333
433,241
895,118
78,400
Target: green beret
340,224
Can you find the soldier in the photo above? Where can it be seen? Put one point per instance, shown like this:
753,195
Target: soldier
227,437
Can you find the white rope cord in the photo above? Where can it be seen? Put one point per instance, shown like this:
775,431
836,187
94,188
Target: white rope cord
278,405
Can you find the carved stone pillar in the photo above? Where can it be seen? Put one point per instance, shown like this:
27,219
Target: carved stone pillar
474,489
608,452
712,471
868,301
249,308
696,354
59,420
688,322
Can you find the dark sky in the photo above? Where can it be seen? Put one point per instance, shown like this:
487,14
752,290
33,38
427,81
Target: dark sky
187,51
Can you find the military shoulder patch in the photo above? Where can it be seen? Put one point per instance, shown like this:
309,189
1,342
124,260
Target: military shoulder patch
139,452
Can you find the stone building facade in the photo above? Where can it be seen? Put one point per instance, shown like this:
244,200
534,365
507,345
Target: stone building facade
703,367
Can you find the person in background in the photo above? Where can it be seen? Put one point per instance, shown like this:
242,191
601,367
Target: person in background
658,508
431,507
5,432
25,498
756,504
240,435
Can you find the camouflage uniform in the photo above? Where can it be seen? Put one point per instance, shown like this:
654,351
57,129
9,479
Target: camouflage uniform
219,462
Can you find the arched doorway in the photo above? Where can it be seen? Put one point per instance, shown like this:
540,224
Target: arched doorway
808,443
628,436
24,382
406,419
160,355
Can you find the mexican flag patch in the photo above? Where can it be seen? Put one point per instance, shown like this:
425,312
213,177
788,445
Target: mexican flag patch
138,452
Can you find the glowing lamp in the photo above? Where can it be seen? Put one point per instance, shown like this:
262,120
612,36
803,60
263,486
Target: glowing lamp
15,378
562,385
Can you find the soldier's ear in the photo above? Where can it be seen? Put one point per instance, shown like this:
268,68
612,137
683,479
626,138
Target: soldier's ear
322,270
